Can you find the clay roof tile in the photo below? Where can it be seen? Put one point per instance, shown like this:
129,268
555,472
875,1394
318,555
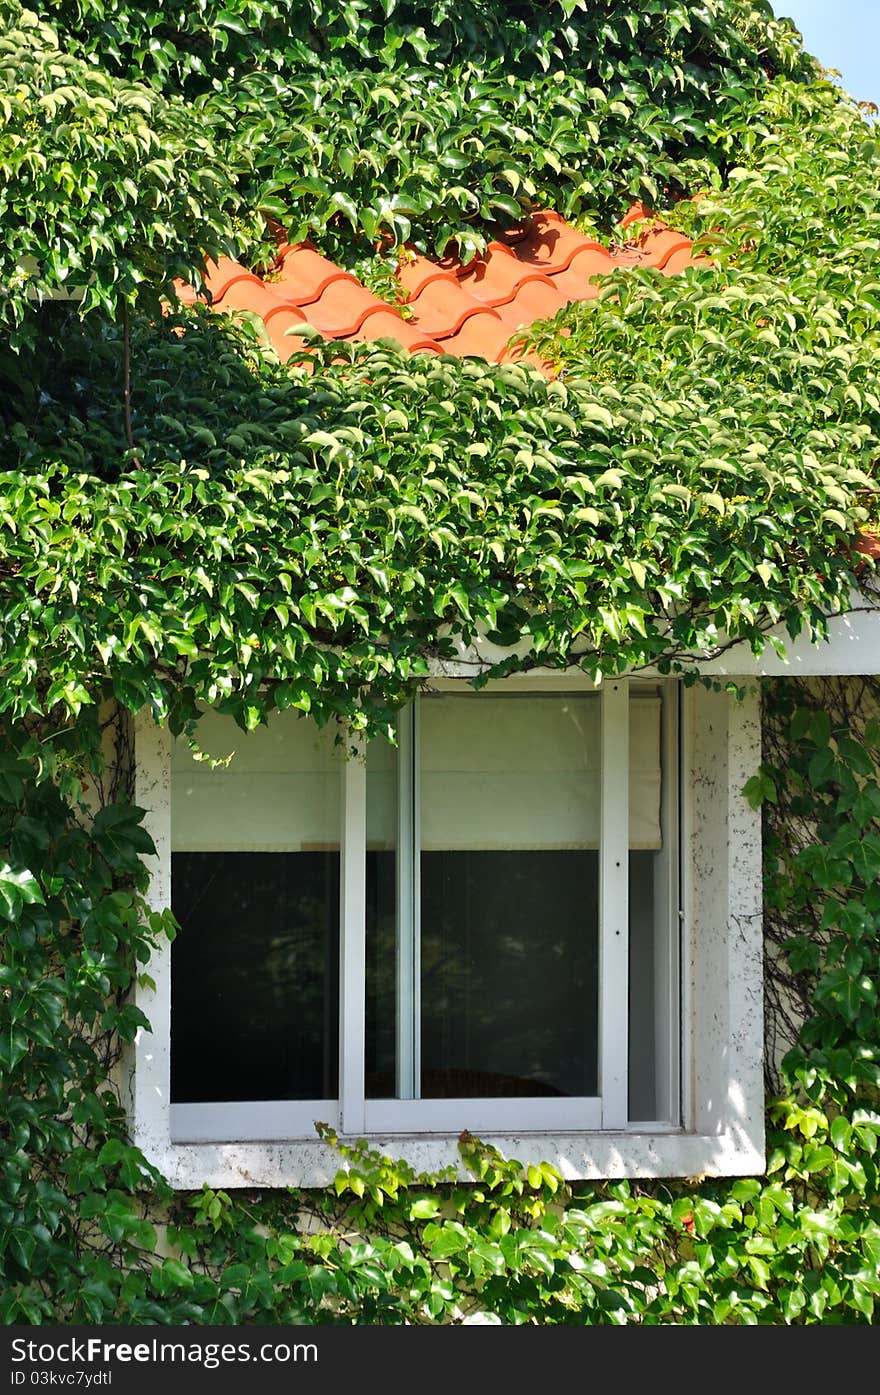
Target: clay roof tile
341,308
222,274
442,306
659,246
482,335
468,309
305,274
388,324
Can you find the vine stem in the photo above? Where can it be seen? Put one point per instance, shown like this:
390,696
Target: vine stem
126,383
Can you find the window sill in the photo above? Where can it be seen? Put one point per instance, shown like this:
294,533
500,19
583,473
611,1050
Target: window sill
630,1153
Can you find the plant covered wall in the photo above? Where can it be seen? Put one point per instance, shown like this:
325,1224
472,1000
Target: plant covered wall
91,1234
352,121
184,520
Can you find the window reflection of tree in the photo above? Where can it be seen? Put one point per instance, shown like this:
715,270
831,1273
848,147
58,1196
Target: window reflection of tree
381,975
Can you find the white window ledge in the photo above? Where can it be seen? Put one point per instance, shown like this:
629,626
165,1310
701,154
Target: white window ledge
576,1155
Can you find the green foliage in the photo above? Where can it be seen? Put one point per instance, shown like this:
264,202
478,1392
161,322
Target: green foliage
313,536
782,334
75,932
792,306
308,540
106,191
349,122
826,891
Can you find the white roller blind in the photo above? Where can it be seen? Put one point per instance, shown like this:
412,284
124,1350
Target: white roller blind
496,772
645,773
381,794
523,772
279,793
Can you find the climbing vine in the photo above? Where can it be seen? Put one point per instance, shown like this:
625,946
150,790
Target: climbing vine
92,1234
137,138
321,535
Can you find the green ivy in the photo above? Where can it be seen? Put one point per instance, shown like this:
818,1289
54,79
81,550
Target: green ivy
184,520
139,138
347,524
106,190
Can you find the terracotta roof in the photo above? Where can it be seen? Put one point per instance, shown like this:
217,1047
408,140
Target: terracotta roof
868,544
465,310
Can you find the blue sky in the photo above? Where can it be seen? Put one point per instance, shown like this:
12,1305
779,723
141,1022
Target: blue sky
842,34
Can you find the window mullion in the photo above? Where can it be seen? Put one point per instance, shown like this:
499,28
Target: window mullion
352,935
614,905
407,907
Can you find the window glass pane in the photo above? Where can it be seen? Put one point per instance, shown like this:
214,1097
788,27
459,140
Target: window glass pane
255,886
481,784
509,895
653,932
381,921
279,792
642,1045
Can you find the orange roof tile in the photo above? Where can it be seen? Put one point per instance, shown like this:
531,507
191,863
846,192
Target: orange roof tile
681,260
441,307
470,309
868,543
389,324
662,245
340,310
482,335
535,300
635,214
499,275
304,273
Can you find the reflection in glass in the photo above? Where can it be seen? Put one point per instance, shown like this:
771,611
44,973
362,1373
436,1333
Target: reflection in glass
642,1052
509,973
653,907
381,921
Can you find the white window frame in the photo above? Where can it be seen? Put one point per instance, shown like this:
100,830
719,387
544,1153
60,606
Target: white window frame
711,1060
406,1114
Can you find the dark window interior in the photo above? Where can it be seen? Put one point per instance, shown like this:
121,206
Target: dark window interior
509,963
509,974
255,976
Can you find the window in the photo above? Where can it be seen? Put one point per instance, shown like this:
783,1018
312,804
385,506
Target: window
481,928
